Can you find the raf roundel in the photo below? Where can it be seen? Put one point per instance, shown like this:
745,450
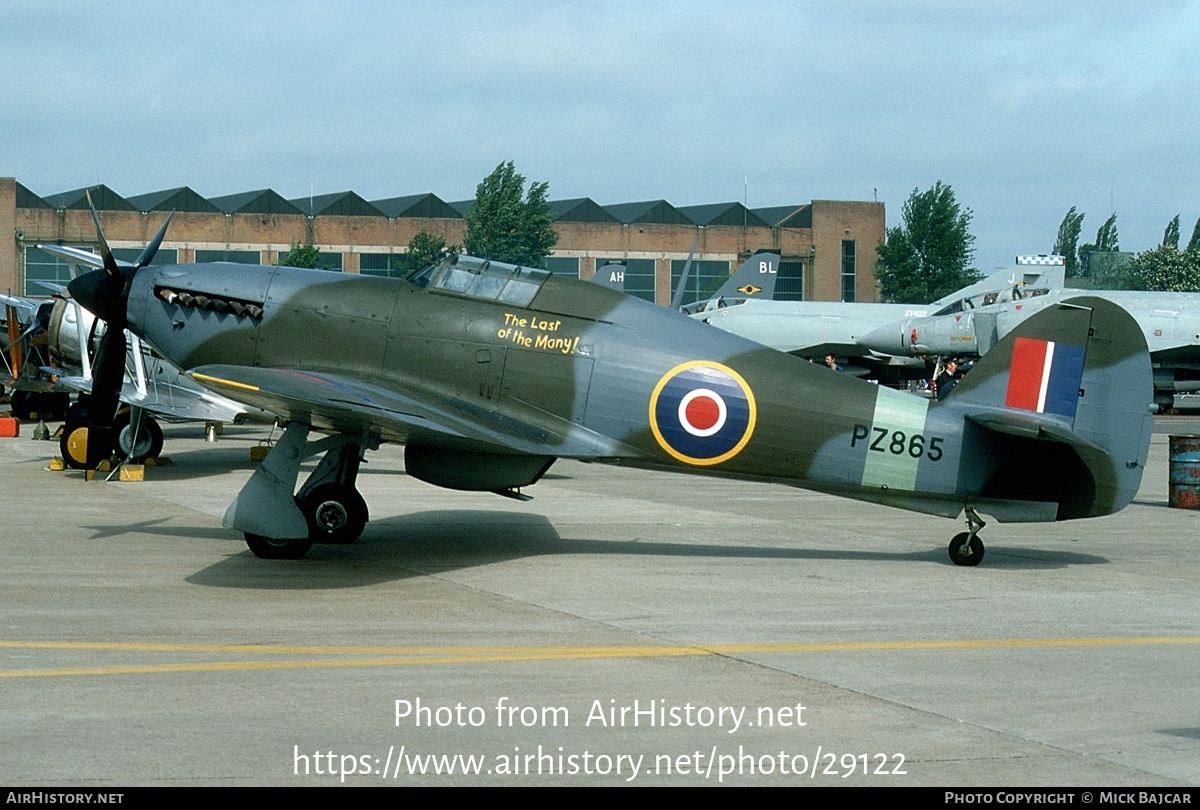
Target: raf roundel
702,412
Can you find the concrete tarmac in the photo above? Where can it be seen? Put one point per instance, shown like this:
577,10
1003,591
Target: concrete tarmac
622,627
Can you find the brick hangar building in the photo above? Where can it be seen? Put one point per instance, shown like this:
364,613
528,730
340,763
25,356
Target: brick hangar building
827,247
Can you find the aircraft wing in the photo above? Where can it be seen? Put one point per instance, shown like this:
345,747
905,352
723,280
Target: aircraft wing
25,307
341,403
74,255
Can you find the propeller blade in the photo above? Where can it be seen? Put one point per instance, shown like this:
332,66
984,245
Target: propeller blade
152,248
677,299
107,377
110,264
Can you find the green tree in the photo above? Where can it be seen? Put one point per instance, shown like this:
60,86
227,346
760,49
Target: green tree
306,255
424,248
1194,242
1106,242
1068,239
1164,268
1171,234
1106,237
506,224
930,254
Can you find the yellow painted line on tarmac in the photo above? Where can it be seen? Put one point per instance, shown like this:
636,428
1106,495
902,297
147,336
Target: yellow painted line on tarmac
412,656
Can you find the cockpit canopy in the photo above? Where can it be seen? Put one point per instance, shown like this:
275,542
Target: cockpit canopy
483,279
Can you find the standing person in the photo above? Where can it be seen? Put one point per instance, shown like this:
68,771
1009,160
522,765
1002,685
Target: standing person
831,361
946,381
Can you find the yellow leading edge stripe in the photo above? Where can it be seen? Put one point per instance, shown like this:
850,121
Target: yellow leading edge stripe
219,381
409,656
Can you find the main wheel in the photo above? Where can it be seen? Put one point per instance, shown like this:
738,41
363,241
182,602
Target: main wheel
147,444
966,550
268,548
336,513
73,444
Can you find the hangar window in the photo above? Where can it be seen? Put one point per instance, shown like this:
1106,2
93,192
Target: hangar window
329,261
41,266
849,270
639,278
704,278
388,265
563,266
163,256
789,284
237,256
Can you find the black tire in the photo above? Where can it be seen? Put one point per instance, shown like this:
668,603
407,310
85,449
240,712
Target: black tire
73,444
268,548
149,441
77,413
965,550
23,404
30,405
336,513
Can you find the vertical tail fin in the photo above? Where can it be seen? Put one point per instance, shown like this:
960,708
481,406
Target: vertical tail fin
754,279
1074,384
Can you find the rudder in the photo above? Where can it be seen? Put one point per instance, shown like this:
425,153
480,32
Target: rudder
1077,375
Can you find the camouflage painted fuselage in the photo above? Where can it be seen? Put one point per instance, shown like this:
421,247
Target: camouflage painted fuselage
580,371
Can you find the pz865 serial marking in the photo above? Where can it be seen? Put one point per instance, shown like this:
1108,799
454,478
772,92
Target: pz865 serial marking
897,442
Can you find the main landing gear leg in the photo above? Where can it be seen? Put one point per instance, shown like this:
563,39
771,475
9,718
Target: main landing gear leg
265,510
967,548
328,509
334,509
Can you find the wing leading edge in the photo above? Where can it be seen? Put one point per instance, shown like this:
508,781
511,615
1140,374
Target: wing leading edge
344,404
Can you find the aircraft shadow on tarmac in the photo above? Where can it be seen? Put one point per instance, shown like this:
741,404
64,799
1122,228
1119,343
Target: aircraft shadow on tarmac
209,461
426,543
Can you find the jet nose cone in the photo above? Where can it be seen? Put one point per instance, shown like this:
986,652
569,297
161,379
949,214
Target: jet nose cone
888,339
95,292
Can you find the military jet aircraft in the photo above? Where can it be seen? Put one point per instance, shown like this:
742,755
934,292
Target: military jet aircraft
1169,321
816,328
490,372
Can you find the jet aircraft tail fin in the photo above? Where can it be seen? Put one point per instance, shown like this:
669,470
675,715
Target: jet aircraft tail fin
1063,404
611,275
754,279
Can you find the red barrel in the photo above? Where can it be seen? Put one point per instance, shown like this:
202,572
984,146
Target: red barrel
1184,472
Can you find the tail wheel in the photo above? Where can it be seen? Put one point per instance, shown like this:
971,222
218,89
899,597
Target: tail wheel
966,550
336,513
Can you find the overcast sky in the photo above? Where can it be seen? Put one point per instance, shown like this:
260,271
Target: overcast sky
1024,108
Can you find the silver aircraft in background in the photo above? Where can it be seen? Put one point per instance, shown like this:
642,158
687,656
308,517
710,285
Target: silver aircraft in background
1169,321
816,328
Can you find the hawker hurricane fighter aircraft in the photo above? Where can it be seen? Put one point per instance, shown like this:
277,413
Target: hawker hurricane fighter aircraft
490,372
